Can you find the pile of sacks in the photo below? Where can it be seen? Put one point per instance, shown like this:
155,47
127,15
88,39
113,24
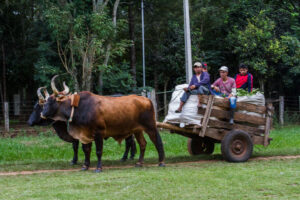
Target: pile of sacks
189,114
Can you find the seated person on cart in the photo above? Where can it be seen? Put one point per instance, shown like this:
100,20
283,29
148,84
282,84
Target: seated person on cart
199,84
244,79
225,86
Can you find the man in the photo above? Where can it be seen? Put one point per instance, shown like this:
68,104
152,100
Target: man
225,86
199,85
244,79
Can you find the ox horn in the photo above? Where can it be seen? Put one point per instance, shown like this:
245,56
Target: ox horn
39,94
66,89
46,93
55,91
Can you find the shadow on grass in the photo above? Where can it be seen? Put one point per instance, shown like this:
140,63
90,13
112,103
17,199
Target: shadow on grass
44,165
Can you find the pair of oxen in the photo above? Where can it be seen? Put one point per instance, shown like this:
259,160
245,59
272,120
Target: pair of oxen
87,117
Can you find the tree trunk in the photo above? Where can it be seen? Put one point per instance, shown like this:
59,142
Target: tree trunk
165,97
261,84
87,66
3,80
3,74
108,48
131,24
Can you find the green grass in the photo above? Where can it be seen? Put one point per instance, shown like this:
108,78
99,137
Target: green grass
274,179
47,151
220,180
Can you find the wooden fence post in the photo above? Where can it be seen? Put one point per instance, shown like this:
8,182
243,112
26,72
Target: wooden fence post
6,117
153,99
281,110
152,96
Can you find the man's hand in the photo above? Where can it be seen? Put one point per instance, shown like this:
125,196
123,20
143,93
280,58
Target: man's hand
186,89
192,87
216,89
229,96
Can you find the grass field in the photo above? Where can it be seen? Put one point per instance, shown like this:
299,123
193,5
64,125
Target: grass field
276,179
252,180
47,151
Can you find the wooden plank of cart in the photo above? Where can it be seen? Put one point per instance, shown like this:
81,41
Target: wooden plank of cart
236,140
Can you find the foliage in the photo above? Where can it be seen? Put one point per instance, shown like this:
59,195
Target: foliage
117,79
46,37
241,92
257,45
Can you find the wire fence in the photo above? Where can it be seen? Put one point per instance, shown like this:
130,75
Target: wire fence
19,112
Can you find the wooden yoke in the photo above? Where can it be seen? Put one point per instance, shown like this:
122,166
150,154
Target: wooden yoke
207,113
75,98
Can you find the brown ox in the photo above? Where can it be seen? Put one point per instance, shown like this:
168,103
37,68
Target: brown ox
98,117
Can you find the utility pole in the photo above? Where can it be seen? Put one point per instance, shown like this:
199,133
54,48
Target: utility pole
187,39
143,44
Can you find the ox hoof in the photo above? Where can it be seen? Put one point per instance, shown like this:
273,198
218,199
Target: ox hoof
138,164
84,168
73,162
161,165
98,170
123,159
131,158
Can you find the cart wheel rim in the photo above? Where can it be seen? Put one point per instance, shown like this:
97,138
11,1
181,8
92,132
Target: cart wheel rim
239,147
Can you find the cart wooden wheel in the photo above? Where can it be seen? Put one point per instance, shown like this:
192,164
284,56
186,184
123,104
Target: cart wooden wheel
237,146
197,146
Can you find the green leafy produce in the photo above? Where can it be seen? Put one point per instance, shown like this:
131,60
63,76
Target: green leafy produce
242,92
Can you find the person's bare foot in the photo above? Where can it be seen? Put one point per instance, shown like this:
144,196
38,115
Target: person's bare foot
178,110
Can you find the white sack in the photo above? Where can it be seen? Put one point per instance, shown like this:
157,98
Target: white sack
189,114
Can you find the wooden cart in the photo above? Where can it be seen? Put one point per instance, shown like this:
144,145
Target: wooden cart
236,140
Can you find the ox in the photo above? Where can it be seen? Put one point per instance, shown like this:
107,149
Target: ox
61,129
93,118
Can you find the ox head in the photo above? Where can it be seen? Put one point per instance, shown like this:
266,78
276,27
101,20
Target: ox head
52,103
35,116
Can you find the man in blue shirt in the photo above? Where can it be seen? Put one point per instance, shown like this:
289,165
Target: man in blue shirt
199,84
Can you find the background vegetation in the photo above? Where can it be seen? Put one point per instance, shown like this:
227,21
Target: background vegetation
96,44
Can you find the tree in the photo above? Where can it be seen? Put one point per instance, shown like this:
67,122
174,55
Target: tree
86,37
257,46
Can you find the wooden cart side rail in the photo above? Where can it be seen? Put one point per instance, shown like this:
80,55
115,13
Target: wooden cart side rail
224,103
227,125
238,117
214,133
206,116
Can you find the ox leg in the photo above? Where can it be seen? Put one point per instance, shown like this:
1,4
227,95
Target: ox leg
156,139
127,148
142,142
75,145
87,153
133,148
99,150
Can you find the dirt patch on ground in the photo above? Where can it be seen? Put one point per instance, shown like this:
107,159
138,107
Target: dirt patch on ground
146,165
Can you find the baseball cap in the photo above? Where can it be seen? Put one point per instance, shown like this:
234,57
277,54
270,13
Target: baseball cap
223,68
197,64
